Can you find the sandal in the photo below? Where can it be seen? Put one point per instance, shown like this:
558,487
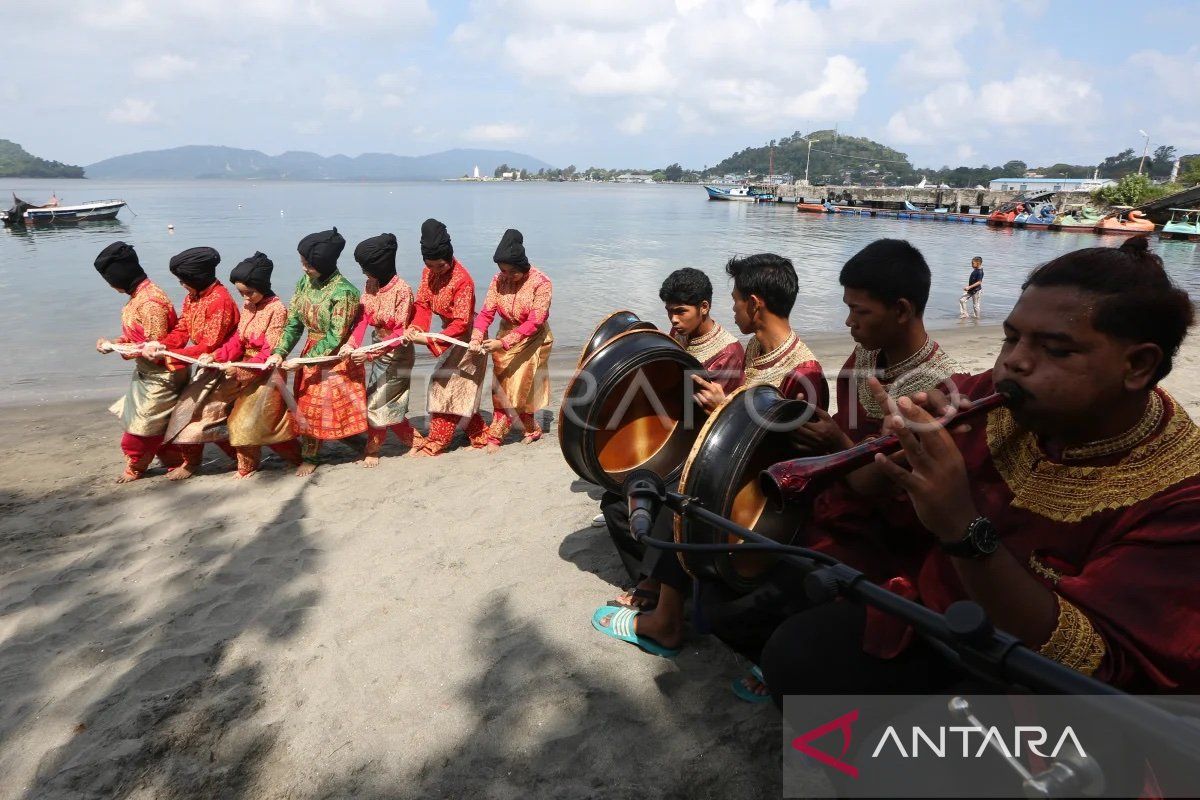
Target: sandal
649,595
621,627
744,692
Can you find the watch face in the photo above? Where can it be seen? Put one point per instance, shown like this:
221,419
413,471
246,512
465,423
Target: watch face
984,535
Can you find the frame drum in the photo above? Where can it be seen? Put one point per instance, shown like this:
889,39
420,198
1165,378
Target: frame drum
615,323
630,406
738,442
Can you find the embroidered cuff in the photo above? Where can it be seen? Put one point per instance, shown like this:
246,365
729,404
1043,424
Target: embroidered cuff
1074,643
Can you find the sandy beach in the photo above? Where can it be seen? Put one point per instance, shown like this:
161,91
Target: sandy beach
417,630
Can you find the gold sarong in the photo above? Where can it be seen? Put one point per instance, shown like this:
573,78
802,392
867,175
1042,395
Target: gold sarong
521,375
146,407
388,380
203,408
260,414
457,382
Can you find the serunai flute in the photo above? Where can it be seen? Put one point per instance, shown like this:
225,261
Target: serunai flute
800,478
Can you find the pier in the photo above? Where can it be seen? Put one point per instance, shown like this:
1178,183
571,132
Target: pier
981,201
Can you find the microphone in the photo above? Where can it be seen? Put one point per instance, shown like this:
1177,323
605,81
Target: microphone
644,490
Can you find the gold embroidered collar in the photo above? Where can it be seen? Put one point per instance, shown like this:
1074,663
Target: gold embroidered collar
923,370
1072,492
1147,425
774,366
707,346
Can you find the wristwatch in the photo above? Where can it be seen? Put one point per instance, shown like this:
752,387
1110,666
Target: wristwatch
980,541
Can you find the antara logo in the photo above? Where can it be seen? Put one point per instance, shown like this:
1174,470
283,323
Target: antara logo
921,743
843,724
1033,736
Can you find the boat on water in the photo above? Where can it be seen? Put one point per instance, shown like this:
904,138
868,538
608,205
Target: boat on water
1126,221
814,208
1184,225
738,193
1037,216
57,213
1077,218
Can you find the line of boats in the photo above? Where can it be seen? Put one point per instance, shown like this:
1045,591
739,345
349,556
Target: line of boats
54,212
1035,212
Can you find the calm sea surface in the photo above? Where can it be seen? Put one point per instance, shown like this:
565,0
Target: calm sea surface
606,246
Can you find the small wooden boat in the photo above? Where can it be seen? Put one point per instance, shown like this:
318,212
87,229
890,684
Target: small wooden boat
813,208
23,213
1126,223
1184,225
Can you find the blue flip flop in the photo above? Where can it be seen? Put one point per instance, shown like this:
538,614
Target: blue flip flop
739,688
620,626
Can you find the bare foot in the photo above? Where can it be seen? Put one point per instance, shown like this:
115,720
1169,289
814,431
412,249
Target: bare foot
180,473
643,595
492,447
241,476
420,452
128,477
755,686
305,469
661,626
530,438
370,462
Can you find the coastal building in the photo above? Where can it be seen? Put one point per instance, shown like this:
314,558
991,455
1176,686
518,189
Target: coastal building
1048,184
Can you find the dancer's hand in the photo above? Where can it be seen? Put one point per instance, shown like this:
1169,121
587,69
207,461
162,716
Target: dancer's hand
416,336
153,349
206,359
360,357
103,345
491,345
289,365
273,360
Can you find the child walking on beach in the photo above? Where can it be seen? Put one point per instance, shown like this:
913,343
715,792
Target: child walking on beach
973,291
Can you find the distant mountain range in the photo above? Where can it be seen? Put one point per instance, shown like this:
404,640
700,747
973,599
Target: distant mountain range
204,161
16,163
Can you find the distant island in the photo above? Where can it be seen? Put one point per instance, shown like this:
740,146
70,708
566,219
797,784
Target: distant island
204,161
16,163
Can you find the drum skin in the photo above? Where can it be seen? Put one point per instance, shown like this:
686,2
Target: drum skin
722,473
630,406
614,324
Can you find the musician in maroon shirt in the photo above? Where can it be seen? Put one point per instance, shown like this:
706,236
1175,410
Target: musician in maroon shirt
1072,516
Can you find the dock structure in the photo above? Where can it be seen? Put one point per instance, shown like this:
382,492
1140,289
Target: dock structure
981,201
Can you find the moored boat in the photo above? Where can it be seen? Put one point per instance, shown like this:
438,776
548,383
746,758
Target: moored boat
813,208
1184,225
1125,222
1078,218
23,213
742,193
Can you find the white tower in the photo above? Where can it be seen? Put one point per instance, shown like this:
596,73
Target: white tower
475,174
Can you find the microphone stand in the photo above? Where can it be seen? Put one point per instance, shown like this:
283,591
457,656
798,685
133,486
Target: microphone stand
964,632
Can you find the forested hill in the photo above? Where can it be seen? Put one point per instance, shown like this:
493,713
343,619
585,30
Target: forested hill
834,158
16,163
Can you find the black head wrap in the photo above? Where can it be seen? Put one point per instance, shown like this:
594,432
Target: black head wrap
377,257
435,241
196,267
321,251
511,250
119,266
254,272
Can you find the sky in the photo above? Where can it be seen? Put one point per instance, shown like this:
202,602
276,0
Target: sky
611,83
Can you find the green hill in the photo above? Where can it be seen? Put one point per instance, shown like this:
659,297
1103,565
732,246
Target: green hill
16,163
834,159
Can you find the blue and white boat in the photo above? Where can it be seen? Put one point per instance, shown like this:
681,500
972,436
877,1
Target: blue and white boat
742,193
23,213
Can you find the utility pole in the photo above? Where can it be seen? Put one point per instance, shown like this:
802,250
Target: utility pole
1145,150
807,160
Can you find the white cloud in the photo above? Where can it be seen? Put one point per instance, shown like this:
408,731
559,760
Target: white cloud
964,153
698,57
998,107
1177,77
496,132
165,67
398,86
132,111
633,124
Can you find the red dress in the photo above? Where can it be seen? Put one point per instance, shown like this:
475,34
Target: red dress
458,375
